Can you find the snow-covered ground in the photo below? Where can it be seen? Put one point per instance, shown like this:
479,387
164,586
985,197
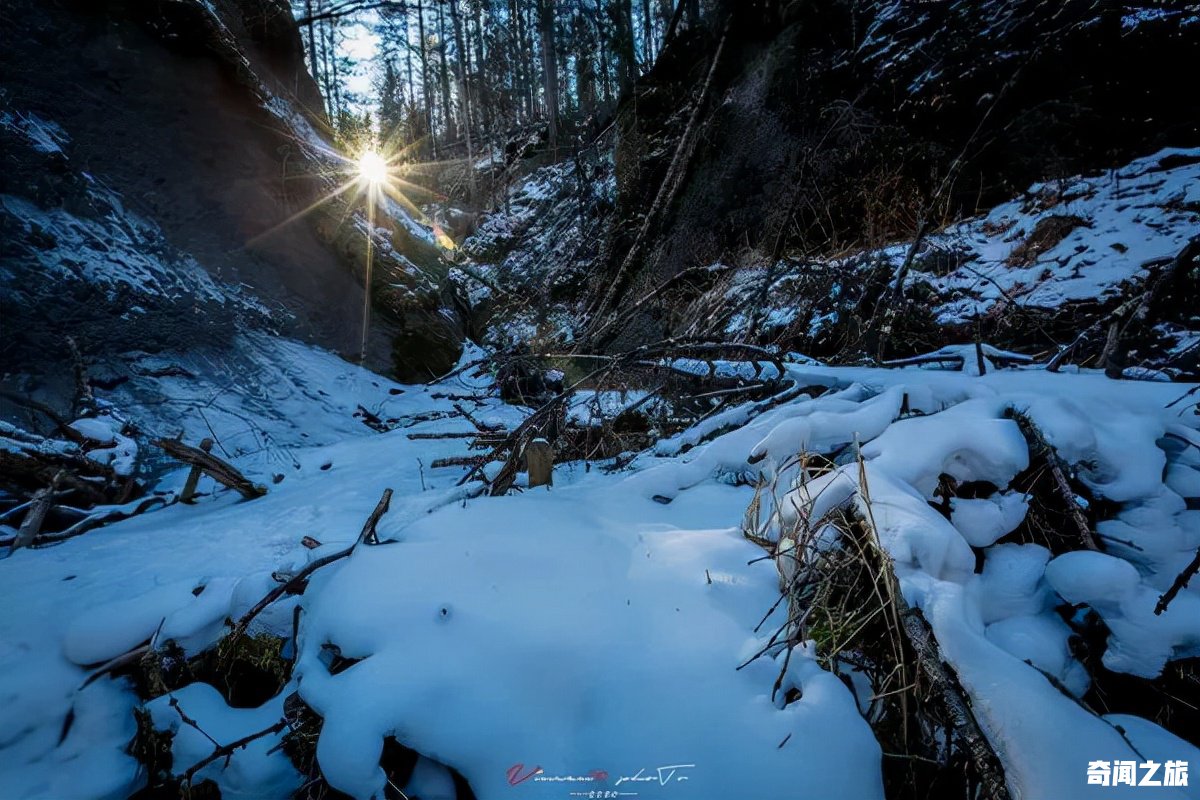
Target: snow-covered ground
593,630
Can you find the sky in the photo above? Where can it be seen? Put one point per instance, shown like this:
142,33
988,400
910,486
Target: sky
361,45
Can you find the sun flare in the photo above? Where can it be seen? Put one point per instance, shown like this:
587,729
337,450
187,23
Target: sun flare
372,168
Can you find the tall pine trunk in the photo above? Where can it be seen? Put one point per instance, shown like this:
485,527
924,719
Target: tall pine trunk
624,48
428,99
647,36
444,76
549,69
464,96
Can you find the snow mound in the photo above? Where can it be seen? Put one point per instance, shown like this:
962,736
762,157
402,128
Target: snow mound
575,632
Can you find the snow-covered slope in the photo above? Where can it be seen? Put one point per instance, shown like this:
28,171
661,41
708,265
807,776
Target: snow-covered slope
593,631
1038,268
1084,239
538,245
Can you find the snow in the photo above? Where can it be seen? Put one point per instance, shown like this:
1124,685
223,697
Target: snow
1140,642
990,625
593,626
45,136
982,521
107,631
1011,583
623,680
430,781
1129,216
114,448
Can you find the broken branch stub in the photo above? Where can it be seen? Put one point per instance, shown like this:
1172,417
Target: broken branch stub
1039,447
539,462
193,478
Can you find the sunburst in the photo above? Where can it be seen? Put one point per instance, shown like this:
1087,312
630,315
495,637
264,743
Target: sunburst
372,174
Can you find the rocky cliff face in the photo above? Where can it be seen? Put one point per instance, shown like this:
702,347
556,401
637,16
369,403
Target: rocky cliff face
152,151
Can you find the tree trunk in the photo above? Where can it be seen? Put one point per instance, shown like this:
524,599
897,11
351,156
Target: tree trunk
549,69
621,14
647,36
585,69
425,96
464,96
444,64
330,101
312,38
412,94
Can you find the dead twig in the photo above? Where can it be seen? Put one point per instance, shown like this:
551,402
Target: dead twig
96,520
31,526
1178,585
49,413
226,751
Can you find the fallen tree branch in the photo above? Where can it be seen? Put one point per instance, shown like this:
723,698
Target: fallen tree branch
294,583
1135,309
667,190
1038,446
446,435
482,427
115,664
456,461
31,526
95,520
31,468
1113,357
218,469
962,718
49,413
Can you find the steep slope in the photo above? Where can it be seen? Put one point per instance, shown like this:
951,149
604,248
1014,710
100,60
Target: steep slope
1050,267
810,128
157,160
